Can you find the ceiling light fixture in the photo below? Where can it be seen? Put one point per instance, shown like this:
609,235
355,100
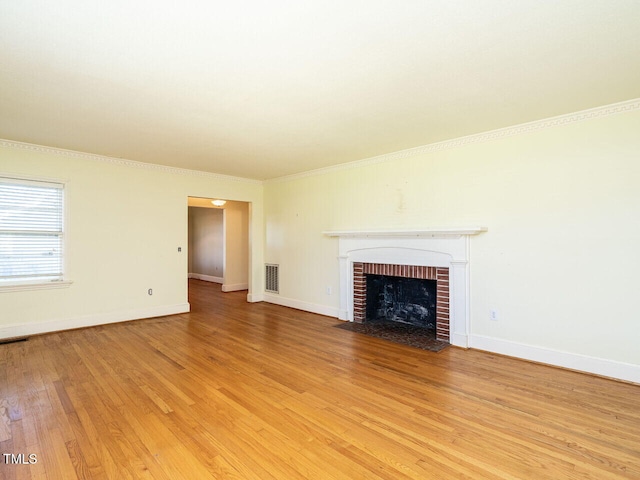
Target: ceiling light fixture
218,203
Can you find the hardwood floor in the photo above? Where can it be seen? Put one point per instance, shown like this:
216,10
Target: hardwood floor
240,391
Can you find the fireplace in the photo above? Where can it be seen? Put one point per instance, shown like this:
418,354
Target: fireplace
410,301
440,254
417,295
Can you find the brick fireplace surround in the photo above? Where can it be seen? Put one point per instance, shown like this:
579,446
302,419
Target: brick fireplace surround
440,254
439,274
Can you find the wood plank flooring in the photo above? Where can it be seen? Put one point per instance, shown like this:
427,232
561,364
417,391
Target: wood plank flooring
239,391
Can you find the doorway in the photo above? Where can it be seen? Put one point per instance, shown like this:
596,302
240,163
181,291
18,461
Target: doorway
218,242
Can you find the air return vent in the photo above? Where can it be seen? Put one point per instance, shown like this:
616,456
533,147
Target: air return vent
271,278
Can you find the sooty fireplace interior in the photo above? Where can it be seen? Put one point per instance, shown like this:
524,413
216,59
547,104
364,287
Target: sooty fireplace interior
398,299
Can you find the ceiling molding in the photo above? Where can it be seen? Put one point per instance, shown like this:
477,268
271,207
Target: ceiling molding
122,161
523,128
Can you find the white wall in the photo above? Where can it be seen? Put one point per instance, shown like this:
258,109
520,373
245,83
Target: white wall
559,262
125,224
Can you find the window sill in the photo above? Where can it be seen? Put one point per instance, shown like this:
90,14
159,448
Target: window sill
18,287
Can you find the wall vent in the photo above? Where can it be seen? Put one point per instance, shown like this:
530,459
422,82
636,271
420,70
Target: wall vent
271,278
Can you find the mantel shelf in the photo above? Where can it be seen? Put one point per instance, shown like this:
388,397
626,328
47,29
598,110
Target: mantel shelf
423,232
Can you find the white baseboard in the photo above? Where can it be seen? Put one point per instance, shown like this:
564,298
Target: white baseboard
297,304
235,287
572,361
23,330
255,297
459,340
583,363
206,278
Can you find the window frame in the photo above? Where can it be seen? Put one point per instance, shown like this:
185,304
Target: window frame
39,283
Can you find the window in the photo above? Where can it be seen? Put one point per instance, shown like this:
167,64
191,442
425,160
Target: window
31,232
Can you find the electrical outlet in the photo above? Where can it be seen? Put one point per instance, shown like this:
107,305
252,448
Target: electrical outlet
493,315
328,290
150,291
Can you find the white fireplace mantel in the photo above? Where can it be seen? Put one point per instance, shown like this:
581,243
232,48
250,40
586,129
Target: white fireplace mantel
424,232
431,247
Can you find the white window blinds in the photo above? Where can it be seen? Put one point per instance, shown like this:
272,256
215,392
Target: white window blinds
31,230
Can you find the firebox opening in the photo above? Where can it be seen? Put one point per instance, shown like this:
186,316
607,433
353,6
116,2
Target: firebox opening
397,299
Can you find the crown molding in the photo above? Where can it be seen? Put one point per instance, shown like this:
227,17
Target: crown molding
520,129
122,161
523,128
